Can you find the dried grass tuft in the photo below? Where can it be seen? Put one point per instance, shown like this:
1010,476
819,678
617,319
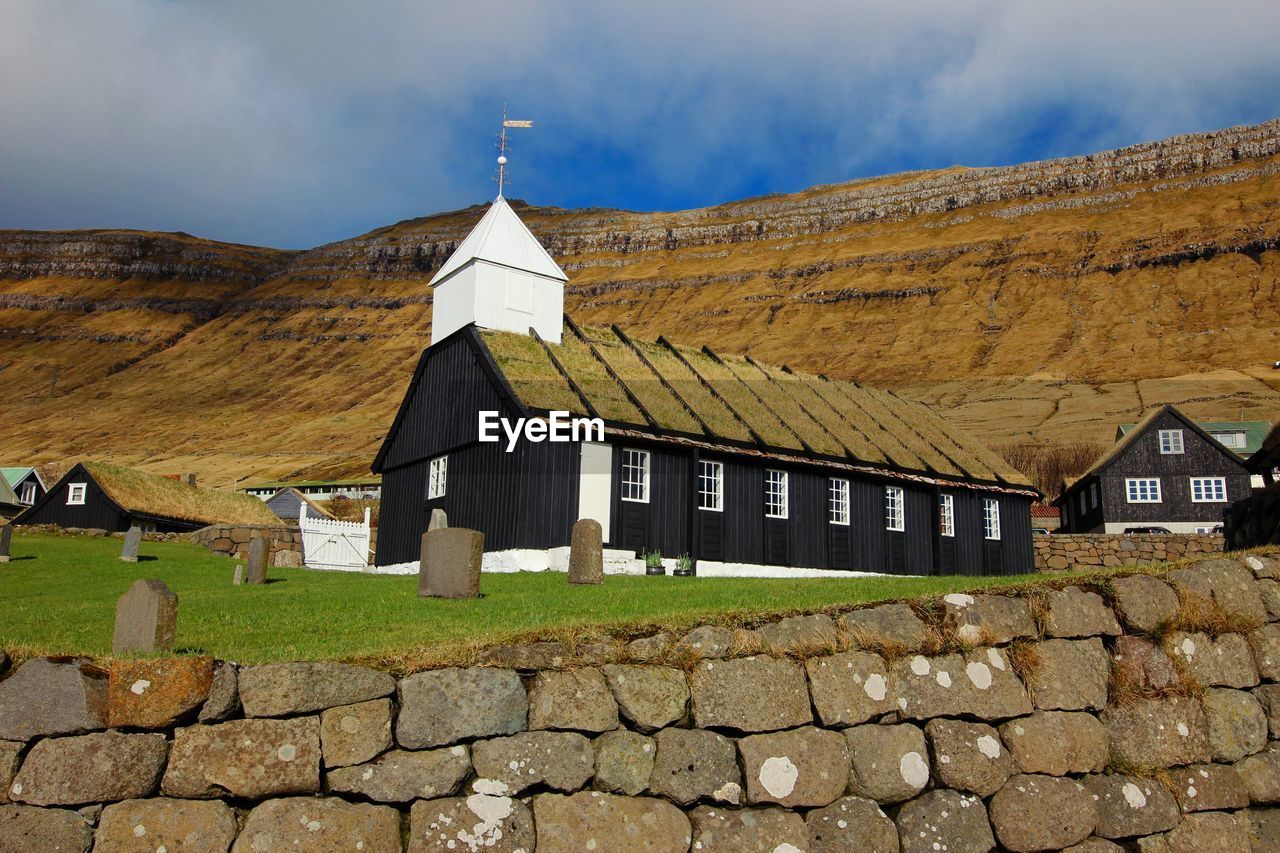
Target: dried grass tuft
1024,659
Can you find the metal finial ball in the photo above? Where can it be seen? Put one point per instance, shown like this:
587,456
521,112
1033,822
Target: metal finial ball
502,160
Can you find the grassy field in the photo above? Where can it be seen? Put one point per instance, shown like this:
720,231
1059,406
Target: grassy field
59,597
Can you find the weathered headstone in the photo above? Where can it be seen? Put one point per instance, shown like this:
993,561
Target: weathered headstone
450,566
146,618
132,540
238,577
586,552
6,537
439,520
257,573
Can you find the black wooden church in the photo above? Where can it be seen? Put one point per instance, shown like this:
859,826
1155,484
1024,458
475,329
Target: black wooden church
719,457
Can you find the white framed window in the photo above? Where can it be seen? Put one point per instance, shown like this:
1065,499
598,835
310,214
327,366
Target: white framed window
1143,490
895,513
947,515
635,475
711,485
28,496
838,501
1083,498
990,518
1209,490
438,478
76,493
1093,495
1230,439
775,493
1170,441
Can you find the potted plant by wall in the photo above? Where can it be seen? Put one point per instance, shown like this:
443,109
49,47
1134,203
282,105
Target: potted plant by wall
684,567
653,563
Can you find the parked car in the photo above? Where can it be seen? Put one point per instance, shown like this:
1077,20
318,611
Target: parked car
1039,531
1146,530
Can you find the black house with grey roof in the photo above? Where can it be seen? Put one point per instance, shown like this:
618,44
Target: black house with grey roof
716,456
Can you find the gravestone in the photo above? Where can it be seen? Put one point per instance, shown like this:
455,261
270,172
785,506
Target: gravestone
257,573
132,540
146,619
586,552
6,538
439,520
238,577
450,566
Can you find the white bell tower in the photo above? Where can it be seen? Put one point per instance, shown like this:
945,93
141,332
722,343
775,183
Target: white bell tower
500,277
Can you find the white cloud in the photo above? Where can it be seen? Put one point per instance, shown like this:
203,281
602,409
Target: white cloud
294,123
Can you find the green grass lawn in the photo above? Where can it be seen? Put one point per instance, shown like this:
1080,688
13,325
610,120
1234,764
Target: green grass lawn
58,595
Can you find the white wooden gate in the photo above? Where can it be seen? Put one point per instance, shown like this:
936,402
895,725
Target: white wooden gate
335,545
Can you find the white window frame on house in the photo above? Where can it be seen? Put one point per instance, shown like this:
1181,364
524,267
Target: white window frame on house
710,485
947,515
1209,490
776,485
438,478
1084,497
634,484
1230,438
838,501
895,508
1171,442
76,493
1093,495
990,519
28,496
1142,490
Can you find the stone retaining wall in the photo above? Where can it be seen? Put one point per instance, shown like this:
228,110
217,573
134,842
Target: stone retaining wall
1144,711
233,541
1082,550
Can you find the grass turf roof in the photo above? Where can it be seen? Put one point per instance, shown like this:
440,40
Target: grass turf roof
732,398
150,494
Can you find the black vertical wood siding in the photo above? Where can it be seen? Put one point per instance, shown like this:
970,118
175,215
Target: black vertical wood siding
529,498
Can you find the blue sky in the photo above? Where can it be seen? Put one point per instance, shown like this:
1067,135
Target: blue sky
298,123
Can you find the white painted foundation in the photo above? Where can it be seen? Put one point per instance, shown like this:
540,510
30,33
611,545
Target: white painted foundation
624,563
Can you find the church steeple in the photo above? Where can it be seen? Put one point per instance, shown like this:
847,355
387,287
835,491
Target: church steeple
499,277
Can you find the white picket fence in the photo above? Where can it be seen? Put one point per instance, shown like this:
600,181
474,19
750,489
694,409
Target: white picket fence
334,545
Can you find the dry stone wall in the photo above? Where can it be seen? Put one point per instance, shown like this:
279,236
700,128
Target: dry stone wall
1139,713
233,541
1060,551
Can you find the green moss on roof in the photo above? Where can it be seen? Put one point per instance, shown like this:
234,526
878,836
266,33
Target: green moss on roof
658,401
772,431
590,375
532,375
770,384
150,494
683,389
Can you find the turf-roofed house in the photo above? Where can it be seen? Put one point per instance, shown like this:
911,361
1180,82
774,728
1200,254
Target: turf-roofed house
98,495
716,456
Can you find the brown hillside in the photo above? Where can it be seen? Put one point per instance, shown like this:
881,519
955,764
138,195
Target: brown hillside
1049,300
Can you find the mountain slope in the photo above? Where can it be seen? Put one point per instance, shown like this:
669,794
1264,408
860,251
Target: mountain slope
1049,300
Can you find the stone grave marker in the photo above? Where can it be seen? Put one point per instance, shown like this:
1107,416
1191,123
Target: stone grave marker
586,552
257,573
450,566
132,540
6,539
439,520
146,618
238,577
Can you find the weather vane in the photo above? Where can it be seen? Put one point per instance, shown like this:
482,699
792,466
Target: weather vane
502,146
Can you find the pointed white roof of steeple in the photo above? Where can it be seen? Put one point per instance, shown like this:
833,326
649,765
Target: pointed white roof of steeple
501,238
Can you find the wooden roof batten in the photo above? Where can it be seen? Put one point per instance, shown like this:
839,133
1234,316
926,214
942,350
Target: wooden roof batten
622,336
714,356
662,339
788,392
613,374
590,409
